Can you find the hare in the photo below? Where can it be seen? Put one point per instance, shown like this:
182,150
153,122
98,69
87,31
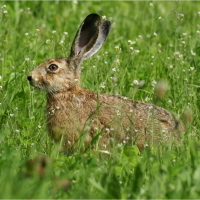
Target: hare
75,114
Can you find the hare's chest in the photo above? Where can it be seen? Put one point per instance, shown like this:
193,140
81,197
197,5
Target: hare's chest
69,115
63,121
60,114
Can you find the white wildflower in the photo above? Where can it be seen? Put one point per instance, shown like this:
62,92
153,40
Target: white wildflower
169,101
193,53
136,82
103,17
151,4
131,48
107,129
153,83
75,1
118,112
102,85
131,42
155,34
69,142
61,42
137,51
117,61
114,69
147,99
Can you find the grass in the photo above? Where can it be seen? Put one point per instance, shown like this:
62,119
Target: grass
149,41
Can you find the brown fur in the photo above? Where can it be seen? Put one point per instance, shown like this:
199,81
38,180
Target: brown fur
78,114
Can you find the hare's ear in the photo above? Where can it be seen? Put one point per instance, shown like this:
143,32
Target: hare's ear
89,37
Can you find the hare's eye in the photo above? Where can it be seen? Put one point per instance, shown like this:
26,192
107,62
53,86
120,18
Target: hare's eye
53,67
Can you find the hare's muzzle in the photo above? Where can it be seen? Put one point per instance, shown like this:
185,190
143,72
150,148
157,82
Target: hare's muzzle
32,80
36,81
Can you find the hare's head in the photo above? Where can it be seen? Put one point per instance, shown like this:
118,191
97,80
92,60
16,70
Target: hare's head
63,74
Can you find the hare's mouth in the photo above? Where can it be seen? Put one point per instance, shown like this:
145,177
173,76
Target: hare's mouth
36,83
38,86
41,85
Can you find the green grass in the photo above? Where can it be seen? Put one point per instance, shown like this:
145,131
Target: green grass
166,47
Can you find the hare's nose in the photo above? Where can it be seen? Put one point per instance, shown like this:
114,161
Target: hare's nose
29,78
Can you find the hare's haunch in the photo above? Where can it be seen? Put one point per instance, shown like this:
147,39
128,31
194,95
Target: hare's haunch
77,114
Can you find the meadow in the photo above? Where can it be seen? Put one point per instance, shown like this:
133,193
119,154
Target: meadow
149,41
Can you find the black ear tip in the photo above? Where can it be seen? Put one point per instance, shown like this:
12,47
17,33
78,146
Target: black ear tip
107,24
93,16
106,27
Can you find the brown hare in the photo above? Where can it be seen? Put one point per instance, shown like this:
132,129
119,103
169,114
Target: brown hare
103,120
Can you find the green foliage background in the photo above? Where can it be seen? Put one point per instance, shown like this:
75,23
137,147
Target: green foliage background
148,42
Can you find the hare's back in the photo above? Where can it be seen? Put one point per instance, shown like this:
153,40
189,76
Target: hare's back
144,116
